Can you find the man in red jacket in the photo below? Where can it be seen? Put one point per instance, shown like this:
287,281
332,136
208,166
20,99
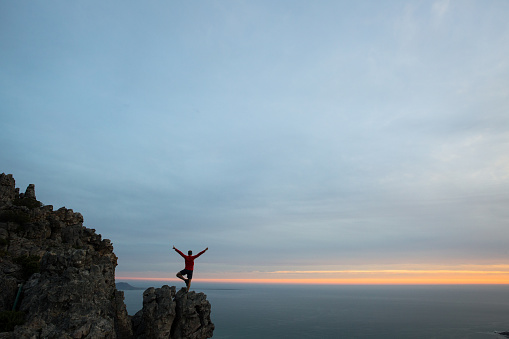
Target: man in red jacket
188,270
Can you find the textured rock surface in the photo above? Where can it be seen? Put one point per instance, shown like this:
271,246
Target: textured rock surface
193,316
167,314
7,189
67,274
67,270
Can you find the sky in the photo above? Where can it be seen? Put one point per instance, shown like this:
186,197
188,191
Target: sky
300,141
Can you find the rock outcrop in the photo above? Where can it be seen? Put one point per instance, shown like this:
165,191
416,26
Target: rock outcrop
60,277
166,314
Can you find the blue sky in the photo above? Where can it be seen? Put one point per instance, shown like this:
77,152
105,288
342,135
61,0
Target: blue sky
289,135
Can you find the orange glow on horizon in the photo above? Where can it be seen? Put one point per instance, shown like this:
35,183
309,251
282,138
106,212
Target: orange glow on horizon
354,277
408,281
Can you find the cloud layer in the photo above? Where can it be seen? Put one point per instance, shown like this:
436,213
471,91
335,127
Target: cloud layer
295,135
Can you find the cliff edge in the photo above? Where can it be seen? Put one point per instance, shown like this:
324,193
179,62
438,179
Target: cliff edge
57,280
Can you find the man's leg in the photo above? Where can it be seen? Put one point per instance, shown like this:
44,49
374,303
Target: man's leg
189,277
188,280
180,276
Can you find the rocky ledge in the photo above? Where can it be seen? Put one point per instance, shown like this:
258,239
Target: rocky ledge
166,314
57,280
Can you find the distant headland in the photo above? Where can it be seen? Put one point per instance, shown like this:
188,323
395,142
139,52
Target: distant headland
123,286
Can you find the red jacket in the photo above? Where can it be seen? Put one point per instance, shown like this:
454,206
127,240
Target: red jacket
189,259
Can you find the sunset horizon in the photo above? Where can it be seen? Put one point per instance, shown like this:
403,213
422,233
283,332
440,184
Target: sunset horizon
491,275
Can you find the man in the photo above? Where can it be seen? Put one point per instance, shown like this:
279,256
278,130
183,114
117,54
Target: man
188,270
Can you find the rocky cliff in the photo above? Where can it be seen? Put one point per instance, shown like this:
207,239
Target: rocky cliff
166,314
57,280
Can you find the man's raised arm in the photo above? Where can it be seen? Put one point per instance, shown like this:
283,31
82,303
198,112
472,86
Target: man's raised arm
176,249
205,250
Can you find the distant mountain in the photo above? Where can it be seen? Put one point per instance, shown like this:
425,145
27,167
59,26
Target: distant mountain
123,286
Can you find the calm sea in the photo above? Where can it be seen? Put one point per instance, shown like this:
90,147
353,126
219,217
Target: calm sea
304,311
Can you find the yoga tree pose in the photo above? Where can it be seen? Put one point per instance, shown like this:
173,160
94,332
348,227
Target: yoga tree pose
188,270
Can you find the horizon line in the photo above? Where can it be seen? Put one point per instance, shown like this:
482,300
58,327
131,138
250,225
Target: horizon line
336,281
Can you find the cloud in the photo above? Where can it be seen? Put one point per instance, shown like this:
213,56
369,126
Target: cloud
376,138
440,8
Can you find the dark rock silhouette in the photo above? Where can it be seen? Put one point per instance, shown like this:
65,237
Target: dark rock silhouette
166,314
67,277
193,316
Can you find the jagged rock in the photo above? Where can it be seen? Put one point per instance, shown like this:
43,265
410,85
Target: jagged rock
155,319
166,314
7,188
9,288
123,325
67,274
30,192
193,316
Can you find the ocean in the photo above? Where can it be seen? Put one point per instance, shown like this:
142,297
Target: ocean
254,311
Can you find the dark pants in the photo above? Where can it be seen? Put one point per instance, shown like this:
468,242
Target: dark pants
188,273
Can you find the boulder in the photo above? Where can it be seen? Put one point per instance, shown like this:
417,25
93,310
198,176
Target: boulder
166,314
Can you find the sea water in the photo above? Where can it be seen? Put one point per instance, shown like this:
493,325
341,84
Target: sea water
316,311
